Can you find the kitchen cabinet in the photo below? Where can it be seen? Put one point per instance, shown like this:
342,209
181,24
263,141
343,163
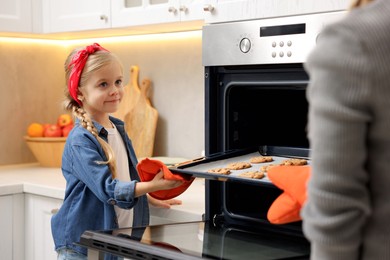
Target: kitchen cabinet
237,10
39,243
144,12
46,16
71,15
15,16
12,227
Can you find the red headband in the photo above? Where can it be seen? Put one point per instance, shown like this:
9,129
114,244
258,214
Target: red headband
78,62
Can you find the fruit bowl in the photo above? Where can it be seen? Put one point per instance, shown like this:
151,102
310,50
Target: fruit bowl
47,150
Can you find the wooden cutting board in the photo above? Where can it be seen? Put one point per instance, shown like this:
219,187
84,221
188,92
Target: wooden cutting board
139,115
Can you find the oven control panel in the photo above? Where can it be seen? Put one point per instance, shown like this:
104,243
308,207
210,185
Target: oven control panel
264,41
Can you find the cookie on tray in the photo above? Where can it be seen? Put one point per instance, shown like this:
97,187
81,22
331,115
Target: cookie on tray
265,168
294,162
261,159
252,175
239,165
223,171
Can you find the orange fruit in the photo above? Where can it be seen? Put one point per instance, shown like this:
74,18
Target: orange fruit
35,130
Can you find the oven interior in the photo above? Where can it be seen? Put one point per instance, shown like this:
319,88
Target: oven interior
265,114
247,107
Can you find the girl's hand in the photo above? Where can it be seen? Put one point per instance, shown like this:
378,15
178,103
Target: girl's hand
166,204
162,184
158,183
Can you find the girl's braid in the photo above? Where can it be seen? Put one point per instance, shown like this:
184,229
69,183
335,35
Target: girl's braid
87,123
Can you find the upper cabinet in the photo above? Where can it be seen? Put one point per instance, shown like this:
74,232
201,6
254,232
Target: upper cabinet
15,16
48,16
144,12
74,15
237,10
71,15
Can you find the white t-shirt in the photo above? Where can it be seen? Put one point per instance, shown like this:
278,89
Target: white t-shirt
125,216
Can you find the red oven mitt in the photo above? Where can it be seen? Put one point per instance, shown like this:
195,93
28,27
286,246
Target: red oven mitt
148,168
292,180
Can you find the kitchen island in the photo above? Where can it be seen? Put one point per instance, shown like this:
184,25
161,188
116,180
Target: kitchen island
30,194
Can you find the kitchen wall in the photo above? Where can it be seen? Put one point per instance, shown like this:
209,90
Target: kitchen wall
32,86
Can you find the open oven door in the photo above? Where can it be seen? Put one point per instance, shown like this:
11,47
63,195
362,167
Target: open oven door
194,240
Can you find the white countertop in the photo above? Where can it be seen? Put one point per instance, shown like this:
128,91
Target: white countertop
49,182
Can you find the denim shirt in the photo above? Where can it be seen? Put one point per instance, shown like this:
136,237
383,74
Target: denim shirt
91,193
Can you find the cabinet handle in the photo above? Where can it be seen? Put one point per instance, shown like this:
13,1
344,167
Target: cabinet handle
183,8
104,17
172,9
208,8
54,211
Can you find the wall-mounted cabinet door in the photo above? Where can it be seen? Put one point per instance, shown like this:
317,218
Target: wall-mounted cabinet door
145,12
191,10
74,15
15,16
238,10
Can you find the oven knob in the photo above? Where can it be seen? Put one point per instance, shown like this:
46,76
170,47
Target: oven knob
245,45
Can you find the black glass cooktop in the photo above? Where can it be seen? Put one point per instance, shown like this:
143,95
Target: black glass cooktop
197,240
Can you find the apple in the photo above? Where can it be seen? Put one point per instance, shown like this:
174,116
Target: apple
66,130
64,120
46,125
52,131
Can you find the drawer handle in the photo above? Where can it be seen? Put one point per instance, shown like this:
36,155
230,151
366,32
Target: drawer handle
172,9
183,8
104,17
54,211
208,8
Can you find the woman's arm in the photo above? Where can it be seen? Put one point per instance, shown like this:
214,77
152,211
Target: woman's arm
338,200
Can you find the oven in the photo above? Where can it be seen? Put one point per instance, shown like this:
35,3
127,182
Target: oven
255,103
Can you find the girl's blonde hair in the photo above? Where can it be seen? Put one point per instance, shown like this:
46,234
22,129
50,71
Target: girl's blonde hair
94,62
357,3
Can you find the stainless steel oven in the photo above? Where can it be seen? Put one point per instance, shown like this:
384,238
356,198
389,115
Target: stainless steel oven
255,104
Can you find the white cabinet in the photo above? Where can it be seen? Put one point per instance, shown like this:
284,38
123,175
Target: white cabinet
74,15
145,12
236,10
191,10
39,243
15,16
12,227
71,15
48,16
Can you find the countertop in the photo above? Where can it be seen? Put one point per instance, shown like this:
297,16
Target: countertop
49,182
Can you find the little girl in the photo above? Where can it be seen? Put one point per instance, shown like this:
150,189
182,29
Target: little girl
103,189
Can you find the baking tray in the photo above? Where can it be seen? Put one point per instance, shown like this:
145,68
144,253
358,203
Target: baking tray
199,167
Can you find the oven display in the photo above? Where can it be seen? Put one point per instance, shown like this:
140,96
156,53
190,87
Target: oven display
282,30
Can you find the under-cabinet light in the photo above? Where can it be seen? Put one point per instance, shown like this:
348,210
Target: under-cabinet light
138,38
171,36
29,40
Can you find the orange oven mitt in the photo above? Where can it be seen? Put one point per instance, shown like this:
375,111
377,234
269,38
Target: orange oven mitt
148,168
292,180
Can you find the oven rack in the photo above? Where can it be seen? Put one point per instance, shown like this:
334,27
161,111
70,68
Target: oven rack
199,167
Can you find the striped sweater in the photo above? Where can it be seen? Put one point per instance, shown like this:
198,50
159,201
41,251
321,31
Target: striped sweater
347,214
